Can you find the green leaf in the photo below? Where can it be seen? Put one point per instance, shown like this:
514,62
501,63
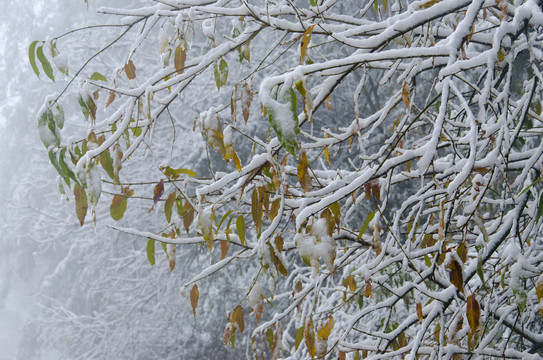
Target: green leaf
96,76
45,63
151,251
65,167
107,163
223,219
480,271
117,207
84,107
32,57
168,206
529,186
220,72
286,136
240,227
313,2
47,129
539,208
56,165
59,117
366,223
299,334
81,204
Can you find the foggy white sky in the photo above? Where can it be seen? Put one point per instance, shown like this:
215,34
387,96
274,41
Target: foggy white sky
26,180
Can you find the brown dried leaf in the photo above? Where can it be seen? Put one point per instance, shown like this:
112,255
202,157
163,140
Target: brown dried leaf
130,70
194,295
405,95
110,98
224,249
456,275
367,289
246,99
309,337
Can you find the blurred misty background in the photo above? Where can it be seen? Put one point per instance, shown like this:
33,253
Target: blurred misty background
71,292
36,226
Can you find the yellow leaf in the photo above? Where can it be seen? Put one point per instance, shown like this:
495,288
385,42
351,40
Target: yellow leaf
81,204
367,289
188,216
324,332
237,317
130,70
462,251
303,172
194,295
428,4
419,312
539,292
473,312
306,38
276,204
240,227
117,207
456,276
437,331
328,101
327,152
179,59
